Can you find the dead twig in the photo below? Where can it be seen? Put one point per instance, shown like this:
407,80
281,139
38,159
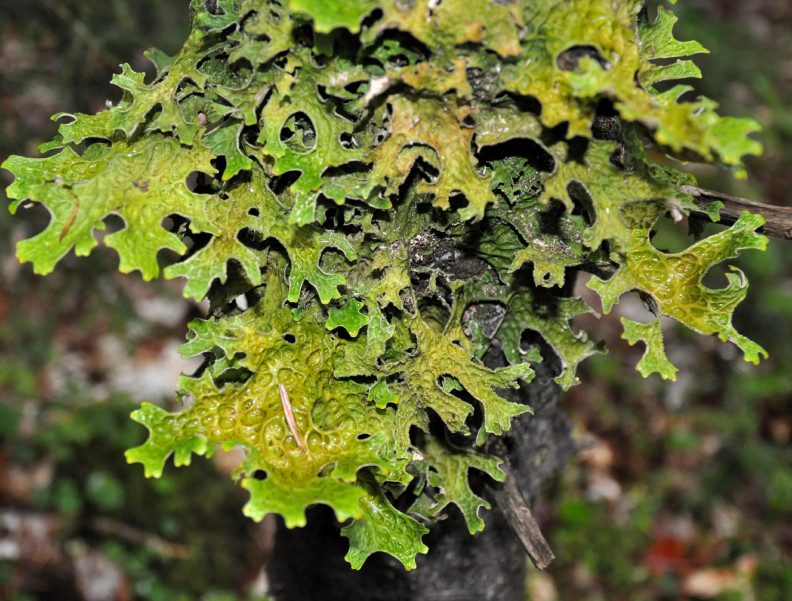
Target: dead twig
12,519
521,519
110,527
778,220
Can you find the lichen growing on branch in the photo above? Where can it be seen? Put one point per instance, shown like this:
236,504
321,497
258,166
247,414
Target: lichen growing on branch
399,188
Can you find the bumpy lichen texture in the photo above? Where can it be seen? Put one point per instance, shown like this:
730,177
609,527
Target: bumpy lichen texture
399,188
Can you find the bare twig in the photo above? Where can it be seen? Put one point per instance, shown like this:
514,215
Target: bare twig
778,220
519,516
11,518
110,527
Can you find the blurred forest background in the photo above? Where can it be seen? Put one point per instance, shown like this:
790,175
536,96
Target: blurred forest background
685,491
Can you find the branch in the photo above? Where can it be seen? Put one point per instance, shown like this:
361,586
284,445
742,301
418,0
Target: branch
778,220
125,532
99,525
521,519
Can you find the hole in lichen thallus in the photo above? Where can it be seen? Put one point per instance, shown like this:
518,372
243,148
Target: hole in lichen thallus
670,236
532,339
299,133
582,202
569,59
534,154
716,276
303,35
201,183
280,184
485,316
553,220
457,201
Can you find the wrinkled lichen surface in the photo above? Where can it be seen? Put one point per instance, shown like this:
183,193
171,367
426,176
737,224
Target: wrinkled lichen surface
399,187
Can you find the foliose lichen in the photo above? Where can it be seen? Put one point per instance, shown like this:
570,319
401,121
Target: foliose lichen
380,178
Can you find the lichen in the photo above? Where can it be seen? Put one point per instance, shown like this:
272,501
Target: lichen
399,188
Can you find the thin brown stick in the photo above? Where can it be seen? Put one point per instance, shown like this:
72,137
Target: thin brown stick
778,220
128,533
522,521
71,217
99,525
287,410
